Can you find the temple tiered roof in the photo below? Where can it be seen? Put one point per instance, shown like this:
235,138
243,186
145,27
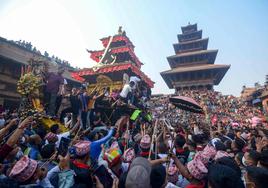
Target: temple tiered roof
190,45
117,58
113,69
119,51
193,64
195,57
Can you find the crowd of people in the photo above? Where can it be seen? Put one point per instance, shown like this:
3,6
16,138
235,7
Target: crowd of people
226,109
127,139
29,46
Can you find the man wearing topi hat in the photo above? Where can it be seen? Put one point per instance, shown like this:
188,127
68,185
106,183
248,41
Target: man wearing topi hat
27,172
145,145
80,164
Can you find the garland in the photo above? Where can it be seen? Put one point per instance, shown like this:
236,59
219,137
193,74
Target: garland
27,84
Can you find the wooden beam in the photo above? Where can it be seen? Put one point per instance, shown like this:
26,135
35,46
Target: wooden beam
2,99
9,94
8,79
16,53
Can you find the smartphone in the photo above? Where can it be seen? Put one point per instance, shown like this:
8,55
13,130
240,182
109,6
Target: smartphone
63,147
104,176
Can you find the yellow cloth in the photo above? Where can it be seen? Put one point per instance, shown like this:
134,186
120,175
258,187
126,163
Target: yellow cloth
49,122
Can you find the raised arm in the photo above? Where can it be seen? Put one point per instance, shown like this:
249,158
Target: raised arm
181,168
158,161
95,147
4,131
13,139
106,138
76,126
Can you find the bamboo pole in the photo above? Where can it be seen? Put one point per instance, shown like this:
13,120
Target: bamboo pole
153,138
127,132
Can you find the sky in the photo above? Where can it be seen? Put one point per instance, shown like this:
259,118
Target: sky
66,28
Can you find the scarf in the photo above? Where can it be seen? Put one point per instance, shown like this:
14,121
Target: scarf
81,165
179,151
144,153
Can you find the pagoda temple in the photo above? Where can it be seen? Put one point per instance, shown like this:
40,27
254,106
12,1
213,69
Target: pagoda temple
193,65
116,63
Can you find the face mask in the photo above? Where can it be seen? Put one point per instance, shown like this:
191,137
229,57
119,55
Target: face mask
190,137
244,161
22,140
19,154
2,122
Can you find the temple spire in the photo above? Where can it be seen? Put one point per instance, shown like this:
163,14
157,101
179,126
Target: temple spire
192,67
120,32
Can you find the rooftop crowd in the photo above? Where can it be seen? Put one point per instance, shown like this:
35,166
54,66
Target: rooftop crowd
29,46
125,138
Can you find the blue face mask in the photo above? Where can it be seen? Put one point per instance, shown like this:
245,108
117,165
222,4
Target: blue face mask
2,122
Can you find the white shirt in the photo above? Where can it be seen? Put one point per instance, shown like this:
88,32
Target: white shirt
65,81
65,135
171,185
126,89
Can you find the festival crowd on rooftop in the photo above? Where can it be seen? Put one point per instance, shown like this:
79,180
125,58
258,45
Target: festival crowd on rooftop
29,46
126,138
